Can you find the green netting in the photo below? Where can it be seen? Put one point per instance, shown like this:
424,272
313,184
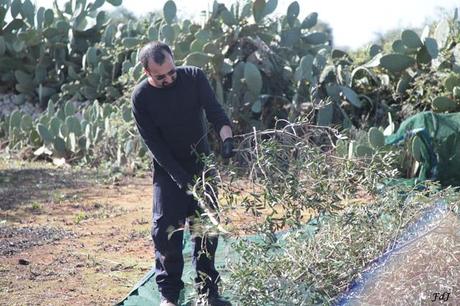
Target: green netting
145,292
440,134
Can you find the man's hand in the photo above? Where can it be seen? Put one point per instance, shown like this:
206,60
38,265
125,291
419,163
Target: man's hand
227,148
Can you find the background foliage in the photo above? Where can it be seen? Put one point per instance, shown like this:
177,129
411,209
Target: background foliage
261,67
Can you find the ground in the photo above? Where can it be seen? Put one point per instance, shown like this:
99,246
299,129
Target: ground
80,237
75,237
71,237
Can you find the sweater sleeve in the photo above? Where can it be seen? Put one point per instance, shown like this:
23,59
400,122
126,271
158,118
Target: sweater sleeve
161,153
214,111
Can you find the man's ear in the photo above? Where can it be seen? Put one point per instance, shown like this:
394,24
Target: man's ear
146,72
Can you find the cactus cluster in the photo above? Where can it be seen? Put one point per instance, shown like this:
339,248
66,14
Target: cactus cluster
42,49
71,133
365,145
261,68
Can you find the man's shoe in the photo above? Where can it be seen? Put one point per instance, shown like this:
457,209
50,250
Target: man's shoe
166,302
216,300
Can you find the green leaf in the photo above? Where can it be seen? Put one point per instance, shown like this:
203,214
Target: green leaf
55,126
23,77
49,18
2,46
101,18
211,48
351,96
396,62
59,146
432,47
3,12
15,119
376,138
441,33
97,4
130,42
451,81
71,142
270,7
315,38
418,149
292,13
258,8
227,17
411,39
28,12
198,59
69,109
403,83
423,57
374,50
44,133
91,56
153,33
167,34
169,11
257,107
115,2
325,115
26,123
253,78
89,92
14,25
127,114
398,46
40,17
305,69
34,138
363,150
15,8
50,108
73,125
137,71
246,10
444,104
290,37
310,21
109,34
44,93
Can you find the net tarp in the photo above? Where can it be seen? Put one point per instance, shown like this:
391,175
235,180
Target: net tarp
440,134
145,292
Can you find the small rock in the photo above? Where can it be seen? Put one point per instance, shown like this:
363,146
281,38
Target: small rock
24,262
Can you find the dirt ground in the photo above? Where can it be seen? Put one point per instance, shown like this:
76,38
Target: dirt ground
76,237
70,237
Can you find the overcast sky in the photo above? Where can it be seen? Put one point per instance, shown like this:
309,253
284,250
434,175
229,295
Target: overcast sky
354,22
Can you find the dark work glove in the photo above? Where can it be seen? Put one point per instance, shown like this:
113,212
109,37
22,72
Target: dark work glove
227,148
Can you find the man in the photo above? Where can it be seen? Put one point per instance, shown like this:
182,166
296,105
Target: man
168,109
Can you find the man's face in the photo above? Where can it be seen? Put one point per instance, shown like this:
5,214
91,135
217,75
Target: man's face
164,75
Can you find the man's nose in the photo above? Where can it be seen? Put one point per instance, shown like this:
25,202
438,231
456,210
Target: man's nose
169,79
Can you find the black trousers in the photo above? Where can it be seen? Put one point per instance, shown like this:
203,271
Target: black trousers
172,207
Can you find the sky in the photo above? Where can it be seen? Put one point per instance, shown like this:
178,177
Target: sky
355,23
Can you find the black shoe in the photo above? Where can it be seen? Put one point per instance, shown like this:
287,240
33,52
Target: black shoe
165,302
214,300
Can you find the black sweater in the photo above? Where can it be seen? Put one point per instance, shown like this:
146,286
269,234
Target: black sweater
171,122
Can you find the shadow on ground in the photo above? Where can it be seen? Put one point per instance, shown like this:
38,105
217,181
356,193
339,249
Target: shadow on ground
23,186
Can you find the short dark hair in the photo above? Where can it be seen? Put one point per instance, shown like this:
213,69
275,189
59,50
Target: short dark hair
154,50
